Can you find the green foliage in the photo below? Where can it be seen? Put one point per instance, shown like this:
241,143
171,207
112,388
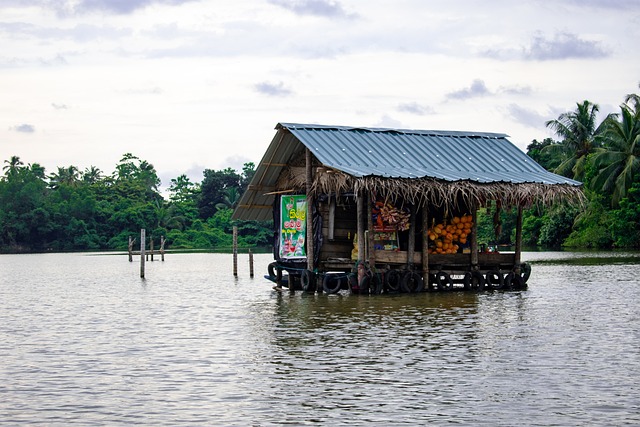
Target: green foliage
625,220
592,227
69,210
544,157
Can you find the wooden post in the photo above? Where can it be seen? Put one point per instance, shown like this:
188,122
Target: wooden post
370,237
474,238
411,245
161,248
151,247
131,241
332,218
518,257
235,251
425,246
309,217
360,207
250,264
143,238
360,225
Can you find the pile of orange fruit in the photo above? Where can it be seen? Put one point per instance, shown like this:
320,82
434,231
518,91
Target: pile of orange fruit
446,238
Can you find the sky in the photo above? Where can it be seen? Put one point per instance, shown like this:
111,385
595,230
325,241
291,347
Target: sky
189,85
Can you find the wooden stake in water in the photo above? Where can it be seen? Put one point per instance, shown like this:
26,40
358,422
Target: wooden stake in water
151,247
142,240
250,264
161,248
235,251
131,249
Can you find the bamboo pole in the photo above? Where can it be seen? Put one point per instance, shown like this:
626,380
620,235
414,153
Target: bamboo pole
309,217
143,238
235,251
250,264
151,247
131,241
425,246
371,253
360,206
474,238
518,256
411,245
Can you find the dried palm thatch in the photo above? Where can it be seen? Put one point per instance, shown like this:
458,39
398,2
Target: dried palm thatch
430,191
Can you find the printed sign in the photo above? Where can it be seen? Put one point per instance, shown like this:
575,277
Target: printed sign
293,226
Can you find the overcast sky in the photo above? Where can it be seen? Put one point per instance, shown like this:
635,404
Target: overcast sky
195,84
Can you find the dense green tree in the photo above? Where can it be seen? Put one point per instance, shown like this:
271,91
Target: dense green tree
213,188
65,176
578,130
12,166
69,210
625,220
618,161
545,158
591,227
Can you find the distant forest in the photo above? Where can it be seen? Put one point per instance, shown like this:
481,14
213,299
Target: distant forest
73,210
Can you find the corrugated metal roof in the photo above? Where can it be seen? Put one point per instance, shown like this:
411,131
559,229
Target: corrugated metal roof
394,153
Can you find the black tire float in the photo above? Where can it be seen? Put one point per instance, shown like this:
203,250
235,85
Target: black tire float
364,284
392,281
477,280
411,282
432,282
352,282
494,279
508,280
525,272
443,281
517,282
466,280
473,280
308,281
271,269
331,283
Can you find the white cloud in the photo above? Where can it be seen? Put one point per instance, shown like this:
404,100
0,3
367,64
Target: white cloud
478,88
24,128
188,84
272,89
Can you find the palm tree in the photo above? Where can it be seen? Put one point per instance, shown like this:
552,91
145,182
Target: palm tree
13,165
618,162
91,175
68,176
38,170
579,133
230,200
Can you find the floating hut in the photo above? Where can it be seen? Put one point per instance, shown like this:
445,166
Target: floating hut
375,210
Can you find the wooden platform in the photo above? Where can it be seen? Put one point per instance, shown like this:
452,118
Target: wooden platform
458,262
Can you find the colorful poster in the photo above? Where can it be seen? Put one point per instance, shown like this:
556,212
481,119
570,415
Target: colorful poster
293,226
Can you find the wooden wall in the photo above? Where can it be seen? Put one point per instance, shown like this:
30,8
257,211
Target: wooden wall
344,229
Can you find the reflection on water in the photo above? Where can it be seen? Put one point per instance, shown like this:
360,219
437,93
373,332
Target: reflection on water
85,341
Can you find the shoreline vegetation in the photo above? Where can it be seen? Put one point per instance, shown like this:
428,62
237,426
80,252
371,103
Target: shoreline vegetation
71,210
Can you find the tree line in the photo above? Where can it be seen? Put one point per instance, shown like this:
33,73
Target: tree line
605,156
70,210
73,210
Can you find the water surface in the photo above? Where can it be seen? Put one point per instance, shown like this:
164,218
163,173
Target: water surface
85,341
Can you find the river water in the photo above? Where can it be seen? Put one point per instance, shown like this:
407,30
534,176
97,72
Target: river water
85,341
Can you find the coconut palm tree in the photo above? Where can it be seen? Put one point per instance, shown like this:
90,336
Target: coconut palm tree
13,164
68,176
618,161
91,175
230,200
579,132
